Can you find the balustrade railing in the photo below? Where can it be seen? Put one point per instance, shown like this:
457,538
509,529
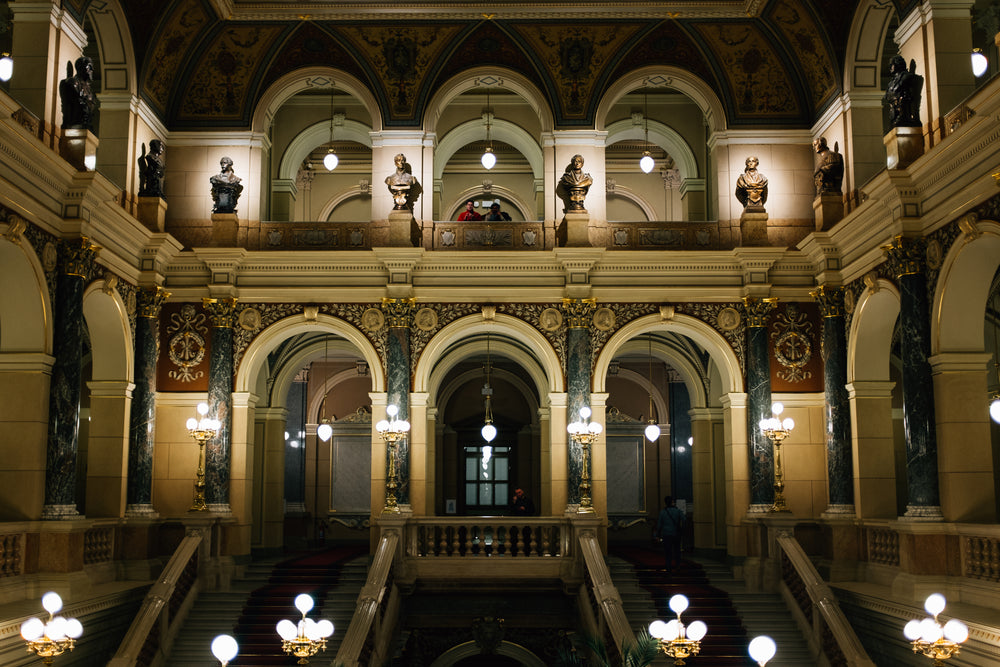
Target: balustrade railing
476,537
99,545
367,639
10,555
883,545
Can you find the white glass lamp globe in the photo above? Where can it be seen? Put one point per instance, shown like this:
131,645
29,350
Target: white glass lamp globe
489,432
403,425
912,630
595,428
762,649
788,423
287,630
652,433
330,160
489,159
51,602
979,63
56,628
777,408
32,629
192,424
325,628
657,629
585,412
311,630
382,426
934,604
672,630
203,409
224,648
324,431
956,631
6,67
74,628
697,630
930,631
678,604
646,162
995,410
304,603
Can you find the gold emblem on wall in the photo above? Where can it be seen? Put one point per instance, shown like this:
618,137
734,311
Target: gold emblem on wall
792,334
186,347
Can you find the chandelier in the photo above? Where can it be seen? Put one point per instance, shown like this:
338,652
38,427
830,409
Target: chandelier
776,430
584,432
307,637
47,639
392,431
932,639
675,639
202,430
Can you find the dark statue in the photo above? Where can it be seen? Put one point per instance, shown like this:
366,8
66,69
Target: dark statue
829,174
226,188
151,170
401,183
574,184
78,100
751,187
902,95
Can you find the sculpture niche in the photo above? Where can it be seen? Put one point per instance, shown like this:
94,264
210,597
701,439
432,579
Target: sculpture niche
226,188
574,185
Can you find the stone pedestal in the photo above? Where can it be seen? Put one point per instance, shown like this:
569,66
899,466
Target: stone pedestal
224,228
577,229
829,211
400,224
753,228
152,212
79,148
903,145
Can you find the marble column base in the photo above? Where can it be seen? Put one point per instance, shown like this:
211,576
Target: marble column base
152,212
224,230
903,145
220,508
60,512
141,511
829,210
79,148
400,229
753,228
922,513
577,229
838,512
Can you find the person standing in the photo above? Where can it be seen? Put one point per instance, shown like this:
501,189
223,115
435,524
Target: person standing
469,213
669,530
496,215
521,505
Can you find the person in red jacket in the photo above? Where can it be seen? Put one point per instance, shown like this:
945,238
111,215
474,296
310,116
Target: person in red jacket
469,213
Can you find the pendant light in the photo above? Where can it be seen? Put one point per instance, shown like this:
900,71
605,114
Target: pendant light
6,66
646,162
330,160
979,62
489,158
324,430
995,396
652,429
489,430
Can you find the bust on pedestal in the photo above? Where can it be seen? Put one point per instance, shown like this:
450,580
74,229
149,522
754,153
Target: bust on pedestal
828,178
152,207
751,191
226,189
905,141
405,191
572,189
78,145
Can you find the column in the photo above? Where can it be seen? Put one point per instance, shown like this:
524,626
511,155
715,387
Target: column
839,472
703,473
399,316
142,432
218,452
758,387
76,261
578,316
906,259
874,459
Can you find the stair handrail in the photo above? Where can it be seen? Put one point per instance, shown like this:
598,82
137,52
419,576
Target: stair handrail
156,619
374,619
844,639
615,626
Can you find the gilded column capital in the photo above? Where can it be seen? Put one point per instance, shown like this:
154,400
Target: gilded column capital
222,312
757,310
906,255
399,312
149,301
830,300
578,312
76,256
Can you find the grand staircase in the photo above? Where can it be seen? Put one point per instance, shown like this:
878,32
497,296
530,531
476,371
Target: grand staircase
733,615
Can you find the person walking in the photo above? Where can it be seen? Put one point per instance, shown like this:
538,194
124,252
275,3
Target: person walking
669,527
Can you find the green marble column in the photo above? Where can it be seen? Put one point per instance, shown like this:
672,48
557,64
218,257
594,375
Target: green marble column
399,318
758,371
218,452
578,361
76,261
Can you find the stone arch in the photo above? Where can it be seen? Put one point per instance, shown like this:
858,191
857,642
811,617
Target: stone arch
311,78
317,135
256,354
663,136
869,342
864,45
494,77
503,130
331,205
962,289
25,309
526,209
111,344
114,43
689,374
447,391
471,649
671,77
629,194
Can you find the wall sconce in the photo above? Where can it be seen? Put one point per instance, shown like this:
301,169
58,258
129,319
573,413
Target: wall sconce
306,638
202,430
676,640
52,638
776,430
224,648
932,639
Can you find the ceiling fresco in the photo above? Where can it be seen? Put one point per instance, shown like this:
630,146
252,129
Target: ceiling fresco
781,64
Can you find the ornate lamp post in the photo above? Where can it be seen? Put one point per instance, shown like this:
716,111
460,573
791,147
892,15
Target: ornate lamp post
932,639
224,648
202,430
776,430
306,638
54,637
676,640
392,432
584,433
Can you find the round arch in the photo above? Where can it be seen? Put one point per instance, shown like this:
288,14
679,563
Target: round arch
339,199
629,194
657,76
488,77
707,337
111,344
466,336
472,131
458,204
869,341
689,374
454,384
471,649
114,43
316,402
862,66
302,357
659,403
663,136
25,309
317,135
268,339
963,287
311,78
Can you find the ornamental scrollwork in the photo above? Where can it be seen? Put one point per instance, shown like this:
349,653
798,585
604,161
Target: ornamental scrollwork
186,347
792,334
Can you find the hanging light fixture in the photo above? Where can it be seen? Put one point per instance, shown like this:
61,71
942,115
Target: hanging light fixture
324,430
995,396
489,430
6,67
652,429
330,160
646,162
979,62
489,158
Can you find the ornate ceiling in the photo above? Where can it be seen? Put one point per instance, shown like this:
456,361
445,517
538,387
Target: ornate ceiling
776,62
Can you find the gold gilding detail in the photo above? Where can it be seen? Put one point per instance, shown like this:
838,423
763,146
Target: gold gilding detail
149,301
77,256
222,312
906,255
757,310
398,312
578,312
830,300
